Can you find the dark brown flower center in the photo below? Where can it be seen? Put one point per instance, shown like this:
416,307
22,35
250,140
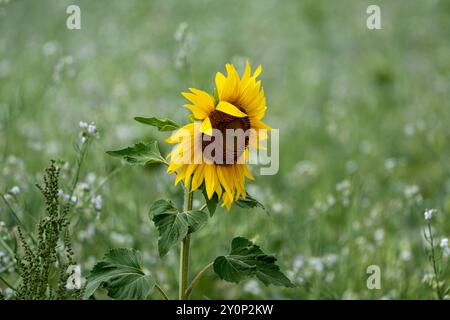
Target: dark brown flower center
227,138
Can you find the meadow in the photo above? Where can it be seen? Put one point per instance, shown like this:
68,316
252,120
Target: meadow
364,134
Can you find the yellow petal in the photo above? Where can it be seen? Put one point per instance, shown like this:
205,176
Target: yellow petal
220,83
189,171
197,179
227,201
219,191
198,112
257,72
180,175
202,102
247,172
178,135
206,127
222,175
228,108
259,125
210,180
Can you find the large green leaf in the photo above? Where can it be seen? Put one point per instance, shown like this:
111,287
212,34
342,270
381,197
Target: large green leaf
196,220
120,273
248,260
173,225
161,124
141,154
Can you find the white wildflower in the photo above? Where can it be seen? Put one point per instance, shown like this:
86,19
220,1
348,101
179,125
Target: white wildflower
15,190
83,125
343,186
405,255
316,263
83,186
252,287
68,59
390,164
408,129
92,129
97,201
299,262
444,243
411,191
277,207
428,214
90,178
180,32
379,235
331,200
305,168
49,48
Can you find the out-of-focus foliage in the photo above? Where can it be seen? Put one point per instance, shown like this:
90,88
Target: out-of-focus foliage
363,116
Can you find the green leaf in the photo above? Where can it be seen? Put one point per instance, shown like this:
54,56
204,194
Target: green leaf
161,124
248,260
249,202
172,226
141,154
120,273
196,220
211,204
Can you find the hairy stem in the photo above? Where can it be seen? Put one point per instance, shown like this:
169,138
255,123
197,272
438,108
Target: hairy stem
161,291
16,217
197,278
184,249
7,284
436,271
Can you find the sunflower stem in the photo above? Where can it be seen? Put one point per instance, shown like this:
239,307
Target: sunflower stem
184,249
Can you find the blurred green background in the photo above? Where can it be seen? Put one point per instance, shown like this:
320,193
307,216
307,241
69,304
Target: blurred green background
363,116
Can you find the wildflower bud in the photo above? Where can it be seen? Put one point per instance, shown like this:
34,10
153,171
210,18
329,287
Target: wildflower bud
83,125
428,214
92,129
15,190
97,201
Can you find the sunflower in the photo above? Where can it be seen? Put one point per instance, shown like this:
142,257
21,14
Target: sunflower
238,103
